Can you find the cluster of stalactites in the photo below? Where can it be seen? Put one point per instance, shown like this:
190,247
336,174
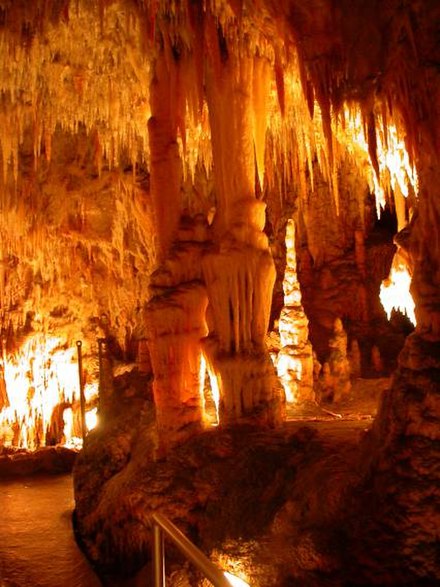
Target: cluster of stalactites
41,261
85,69
91,68
376,145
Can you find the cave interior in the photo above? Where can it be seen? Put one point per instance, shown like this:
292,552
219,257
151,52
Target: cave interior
220,278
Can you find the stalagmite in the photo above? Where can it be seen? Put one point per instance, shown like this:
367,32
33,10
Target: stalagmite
360,252
294,363
376,360
355,358
106,388
336,382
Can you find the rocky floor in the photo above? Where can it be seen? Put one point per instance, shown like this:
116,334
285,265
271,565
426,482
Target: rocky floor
277,508
264,503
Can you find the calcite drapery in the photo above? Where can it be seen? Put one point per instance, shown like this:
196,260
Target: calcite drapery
239,277
295,359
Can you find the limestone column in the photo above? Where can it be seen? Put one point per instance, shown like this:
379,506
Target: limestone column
175,315
239,271
165,163
176,324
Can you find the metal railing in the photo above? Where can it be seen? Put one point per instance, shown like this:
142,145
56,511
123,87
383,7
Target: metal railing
82,397
162,526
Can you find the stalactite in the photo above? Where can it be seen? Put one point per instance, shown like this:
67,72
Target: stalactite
229,93
279,79
58,88
260,99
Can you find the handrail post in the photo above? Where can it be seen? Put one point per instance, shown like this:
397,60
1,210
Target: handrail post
82,399
158,557
101,342
163,526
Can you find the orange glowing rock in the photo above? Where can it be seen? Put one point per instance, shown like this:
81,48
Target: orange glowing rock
41,380
294,362
395,290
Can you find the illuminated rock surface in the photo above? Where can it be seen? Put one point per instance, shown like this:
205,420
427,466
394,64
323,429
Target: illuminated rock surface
271,501
152,154
295,359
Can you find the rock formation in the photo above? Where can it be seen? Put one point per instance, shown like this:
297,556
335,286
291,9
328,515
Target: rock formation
295,358
152,154
336,382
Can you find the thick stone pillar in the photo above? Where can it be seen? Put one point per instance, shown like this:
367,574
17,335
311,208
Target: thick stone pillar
239,271
176,325
165,163
176,314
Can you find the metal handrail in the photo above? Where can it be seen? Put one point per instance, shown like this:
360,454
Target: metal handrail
82,397
162,525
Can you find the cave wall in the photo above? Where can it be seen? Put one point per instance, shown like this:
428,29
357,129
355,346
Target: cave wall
76,264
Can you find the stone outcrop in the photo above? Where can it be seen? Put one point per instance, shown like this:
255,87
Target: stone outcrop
401,490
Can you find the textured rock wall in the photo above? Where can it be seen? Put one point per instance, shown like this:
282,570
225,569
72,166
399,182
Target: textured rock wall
76,249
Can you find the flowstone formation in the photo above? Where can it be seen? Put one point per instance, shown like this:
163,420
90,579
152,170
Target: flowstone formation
241,493
239,277
176,325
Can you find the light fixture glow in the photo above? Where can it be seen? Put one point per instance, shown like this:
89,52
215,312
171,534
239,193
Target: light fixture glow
235,581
